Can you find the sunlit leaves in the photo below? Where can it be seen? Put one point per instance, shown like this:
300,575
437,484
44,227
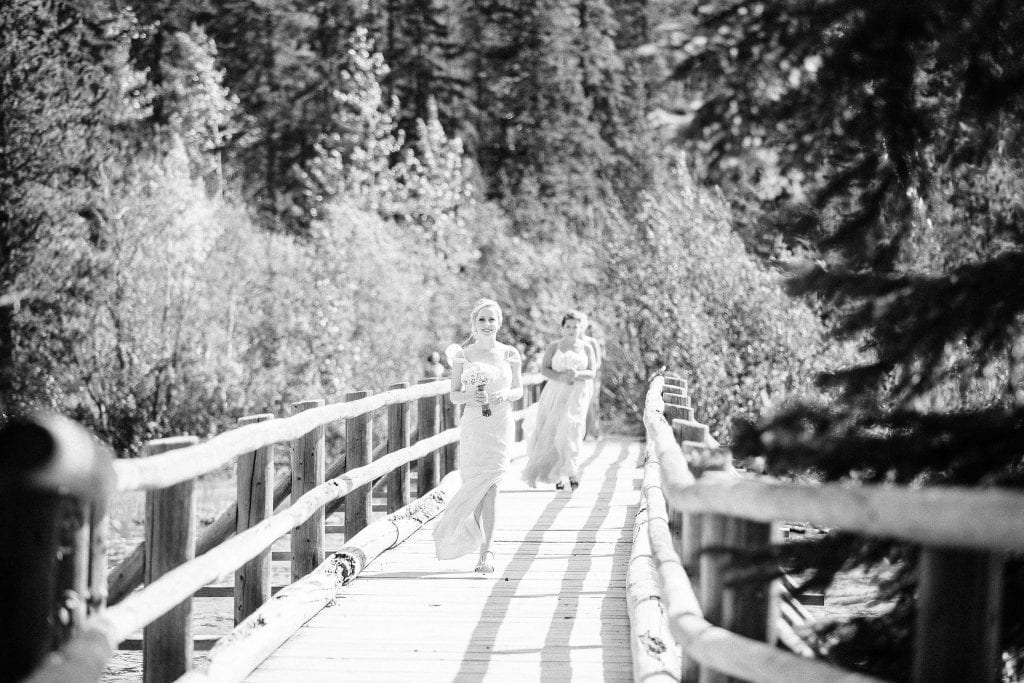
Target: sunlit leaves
688,296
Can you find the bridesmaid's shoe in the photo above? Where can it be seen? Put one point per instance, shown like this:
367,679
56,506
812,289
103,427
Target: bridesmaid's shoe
485,565
573,484
560,485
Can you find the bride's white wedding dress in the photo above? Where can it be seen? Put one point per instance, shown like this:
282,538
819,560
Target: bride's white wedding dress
553,444
484,444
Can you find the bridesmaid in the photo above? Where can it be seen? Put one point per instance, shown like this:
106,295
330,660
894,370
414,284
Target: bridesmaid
554,443
486,378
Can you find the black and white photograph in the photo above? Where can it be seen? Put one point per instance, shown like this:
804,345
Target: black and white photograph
485,341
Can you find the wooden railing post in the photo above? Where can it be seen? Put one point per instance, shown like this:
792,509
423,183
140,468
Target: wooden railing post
693,538
689,430
960,598
449,419
398,438
29,530
308,468
690,542
170,542
677,406
54,478
73,567
427,467
98,524
676,383
685,528
713,533
358,453
254,482
689,523
746,603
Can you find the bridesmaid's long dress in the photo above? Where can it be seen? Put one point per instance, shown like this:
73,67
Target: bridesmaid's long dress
553,444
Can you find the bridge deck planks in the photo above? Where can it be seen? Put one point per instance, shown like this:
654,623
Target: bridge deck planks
554,609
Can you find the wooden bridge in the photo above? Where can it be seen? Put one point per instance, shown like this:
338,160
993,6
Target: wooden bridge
554,609
623,579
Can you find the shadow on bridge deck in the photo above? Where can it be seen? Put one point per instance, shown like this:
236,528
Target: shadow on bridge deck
554,610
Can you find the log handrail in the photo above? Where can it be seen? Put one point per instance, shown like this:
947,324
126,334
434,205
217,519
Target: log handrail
238,654
86,653
948,516
138,609
127,575
707,644
161,471
955,517
964,535
656,655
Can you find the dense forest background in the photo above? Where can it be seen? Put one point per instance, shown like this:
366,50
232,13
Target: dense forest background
211,209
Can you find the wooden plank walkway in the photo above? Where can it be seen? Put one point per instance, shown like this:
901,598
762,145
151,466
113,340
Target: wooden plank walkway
554,610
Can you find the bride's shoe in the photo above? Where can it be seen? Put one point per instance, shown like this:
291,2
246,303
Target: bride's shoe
573,484
560,485
486,563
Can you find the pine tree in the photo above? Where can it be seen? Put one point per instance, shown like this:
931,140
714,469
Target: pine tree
632,17
540,137
416,43
601,66
432,195
354,151
284,60
54,134
486,35
904,119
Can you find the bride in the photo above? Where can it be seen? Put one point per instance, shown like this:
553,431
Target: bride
486,378
554,443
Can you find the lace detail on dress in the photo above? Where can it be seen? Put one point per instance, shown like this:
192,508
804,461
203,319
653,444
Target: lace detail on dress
512,356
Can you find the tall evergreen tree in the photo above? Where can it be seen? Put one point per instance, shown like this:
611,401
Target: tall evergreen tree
354,153
55,121
905,119
187,102
553,139
633,19
153,48
417,46
601,66
541,111
487,35
284,60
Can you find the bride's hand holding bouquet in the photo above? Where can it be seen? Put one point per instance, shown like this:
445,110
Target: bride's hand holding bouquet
476,376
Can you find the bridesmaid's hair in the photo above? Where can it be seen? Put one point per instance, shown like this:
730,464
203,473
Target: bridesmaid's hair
578,316
477,307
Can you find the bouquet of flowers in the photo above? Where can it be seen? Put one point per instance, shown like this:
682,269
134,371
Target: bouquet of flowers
478,375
